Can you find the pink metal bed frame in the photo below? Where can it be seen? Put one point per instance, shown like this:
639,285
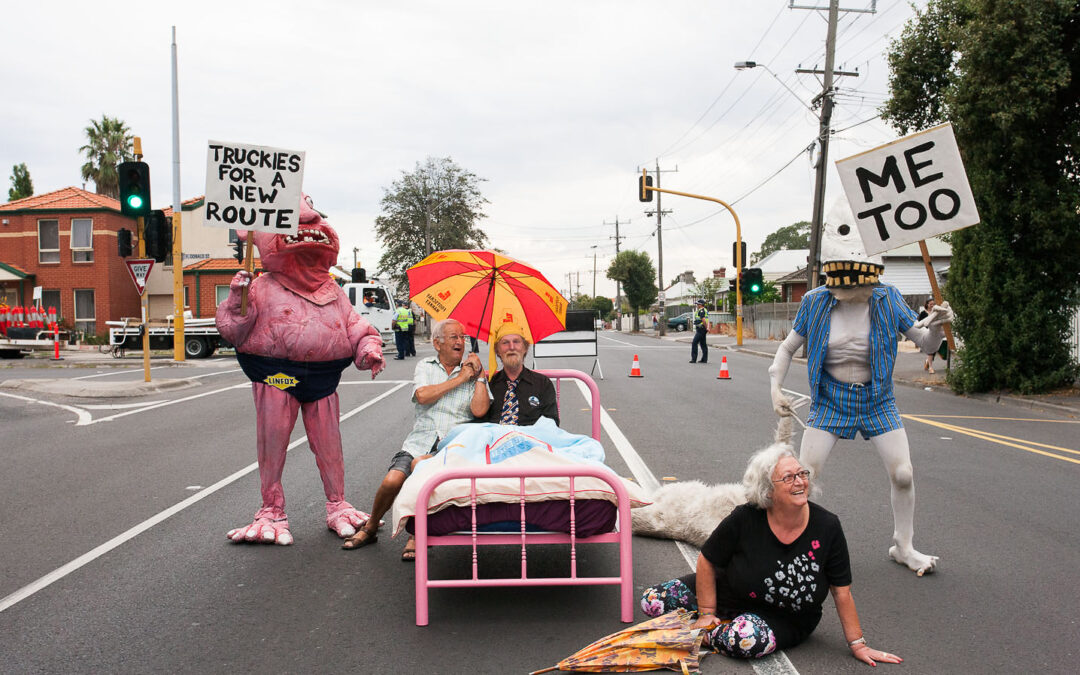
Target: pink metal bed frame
622,535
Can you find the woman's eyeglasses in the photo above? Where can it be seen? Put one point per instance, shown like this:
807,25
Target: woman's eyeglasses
789,478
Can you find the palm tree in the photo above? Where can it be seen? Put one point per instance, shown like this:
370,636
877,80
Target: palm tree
108,144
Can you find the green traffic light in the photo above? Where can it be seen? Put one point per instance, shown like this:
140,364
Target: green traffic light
135,201
755,288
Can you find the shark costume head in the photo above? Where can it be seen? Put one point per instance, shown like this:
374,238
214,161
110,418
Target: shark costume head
849,271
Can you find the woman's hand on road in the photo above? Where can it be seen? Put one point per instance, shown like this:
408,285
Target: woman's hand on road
873,656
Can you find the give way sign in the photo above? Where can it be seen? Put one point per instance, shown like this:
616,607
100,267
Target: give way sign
139,269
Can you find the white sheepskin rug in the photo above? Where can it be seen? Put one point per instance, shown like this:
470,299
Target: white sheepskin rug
691,510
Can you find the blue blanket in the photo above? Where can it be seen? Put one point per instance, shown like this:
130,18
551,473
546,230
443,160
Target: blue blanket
491,443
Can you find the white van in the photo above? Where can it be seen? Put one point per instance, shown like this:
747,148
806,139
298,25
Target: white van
379,308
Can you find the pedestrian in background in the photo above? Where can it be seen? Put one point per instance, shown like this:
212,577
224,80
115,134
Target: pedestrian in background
701,329
928,365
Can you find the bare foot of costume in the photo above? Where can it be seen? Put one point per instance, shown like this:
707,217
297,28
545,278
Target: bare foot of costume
299,334
849,327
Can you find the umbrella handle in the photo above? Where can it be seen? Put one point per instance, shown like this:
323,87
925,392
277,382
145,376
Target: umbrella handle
545,670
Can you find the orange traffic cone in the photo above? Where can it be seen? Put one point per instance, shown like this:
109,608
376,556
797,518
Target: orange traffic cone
724,374
635,370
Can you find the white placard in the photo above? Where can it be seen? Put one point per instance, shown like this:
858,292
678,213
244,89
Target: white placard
910,189
37,294
253,187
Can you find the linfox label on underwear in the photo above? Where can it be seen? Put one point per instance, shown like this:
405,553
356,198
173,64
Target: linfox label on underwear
281,381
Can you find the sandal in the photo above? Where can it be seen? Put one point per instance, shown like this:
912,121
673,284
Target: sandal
409,554
358,541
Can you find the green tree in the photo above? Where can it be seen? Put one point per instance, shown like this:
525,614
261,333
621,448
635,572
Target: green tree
108,143
598,303
635,271
1007,75
792,237
439,202
708,289
21,185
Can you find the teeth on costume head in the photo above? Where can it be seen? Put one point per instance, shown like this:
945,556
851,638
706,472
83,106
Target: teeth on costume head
872,278
847,266
862,280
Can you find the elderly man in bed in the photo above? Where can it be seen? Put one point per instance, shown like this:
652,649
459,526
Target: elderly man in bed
520,396
449,389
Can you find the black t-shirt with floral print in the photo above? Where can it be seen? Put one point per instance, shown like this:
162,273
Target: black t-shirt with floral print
785,584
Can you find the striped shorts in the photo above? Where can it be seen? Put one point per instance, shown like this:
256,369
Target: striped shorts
841,409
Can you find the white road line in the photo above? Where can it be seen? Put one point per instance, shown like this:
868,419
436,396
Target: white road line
119,406
163,404
88,557
775,664
83,416
117,372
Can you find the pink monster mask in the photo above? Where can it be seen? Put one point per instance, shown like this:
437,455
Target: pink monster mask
301,260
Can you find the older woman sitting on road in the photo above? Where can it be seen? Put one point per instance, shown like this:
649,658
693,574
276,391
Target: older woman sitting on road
764,572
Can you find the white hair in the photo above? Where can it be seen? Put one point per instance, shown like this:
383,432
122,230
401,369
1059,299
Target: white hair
758,480
440,327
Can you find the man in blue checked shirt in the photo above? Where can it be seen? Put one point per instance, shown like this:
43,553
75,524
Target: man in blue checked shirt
849,326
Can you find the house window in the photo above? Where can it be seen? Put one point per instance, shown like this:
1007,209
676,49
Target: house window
51,299
186,303
48,241
221,292
82,240
85,315
233,237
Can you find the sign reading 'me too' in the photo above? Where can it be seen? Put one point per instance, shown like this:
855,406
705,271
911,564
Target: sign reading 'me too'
910,189
253,187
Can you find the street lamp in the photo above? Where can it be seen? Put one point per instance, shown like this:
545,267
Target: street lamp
593,247
747,65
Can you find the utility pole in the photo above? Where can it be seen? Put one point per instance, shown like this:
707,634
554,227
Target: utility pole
660,212
577,276
355,251
813,266
618,288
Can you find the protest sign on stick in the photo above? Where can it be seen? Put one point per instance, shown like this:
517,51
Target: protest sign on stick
907,190
253,188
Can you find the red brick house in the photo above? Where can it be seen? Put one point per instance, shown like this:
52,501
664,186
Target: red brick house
65,242
206,283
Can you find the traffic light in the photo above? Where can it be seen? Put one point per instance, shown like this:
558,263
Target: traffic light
123,242
134,184
735,250
752,282
642,183
158,234
359,275
238,246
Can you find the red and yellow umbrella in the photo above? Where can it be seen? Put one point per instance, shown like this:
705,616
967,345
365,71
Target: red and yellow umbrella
665,642
483,289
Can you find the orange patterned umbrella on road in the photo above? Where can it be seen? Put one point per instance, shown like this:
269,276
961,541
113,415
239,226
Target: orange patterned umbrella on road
666,642
483,289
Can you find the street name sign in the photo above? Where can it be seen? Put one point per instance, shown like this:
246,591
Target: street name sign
253,187
139,269
908,190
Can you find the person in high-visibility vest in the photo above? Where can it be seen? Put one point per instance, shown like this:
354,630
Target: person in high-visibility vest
401,331
410,346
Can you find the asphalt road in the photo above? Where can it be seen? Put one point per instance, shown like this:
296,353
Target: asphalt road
148,485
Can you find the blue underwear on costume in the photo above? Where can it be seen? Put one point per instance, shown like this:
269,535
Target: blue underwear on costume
842,408
306,381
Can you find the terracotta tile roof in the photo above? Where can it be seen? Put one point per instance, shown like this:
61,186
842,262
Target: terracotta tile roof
222,264
14,268
186,202
64,198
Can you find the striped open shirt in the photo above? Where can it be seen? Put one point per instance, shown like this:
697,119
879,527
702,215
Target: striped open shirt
889,316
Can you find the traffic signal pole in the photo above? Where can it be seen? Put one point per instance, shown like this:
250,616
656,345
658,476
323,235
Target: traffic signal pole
646,187
144,299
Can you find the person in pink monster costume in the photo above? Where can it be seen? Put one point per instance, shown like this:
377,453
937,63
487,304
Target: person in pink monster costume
299,334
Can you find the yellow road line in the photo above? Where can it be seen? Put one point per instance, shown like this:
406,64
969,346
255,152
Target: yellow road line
1005,419
994,438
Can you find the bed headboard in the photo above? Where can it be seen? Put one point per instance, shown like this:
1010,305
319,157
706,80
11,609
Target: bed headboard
562,374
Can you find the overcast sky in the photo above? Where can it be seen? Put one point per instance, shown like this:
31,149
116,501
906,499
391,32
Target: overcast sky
556,104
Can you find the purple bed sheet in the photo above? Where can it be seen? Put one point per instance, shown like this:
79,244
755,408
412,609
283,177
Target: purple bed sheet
591,516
